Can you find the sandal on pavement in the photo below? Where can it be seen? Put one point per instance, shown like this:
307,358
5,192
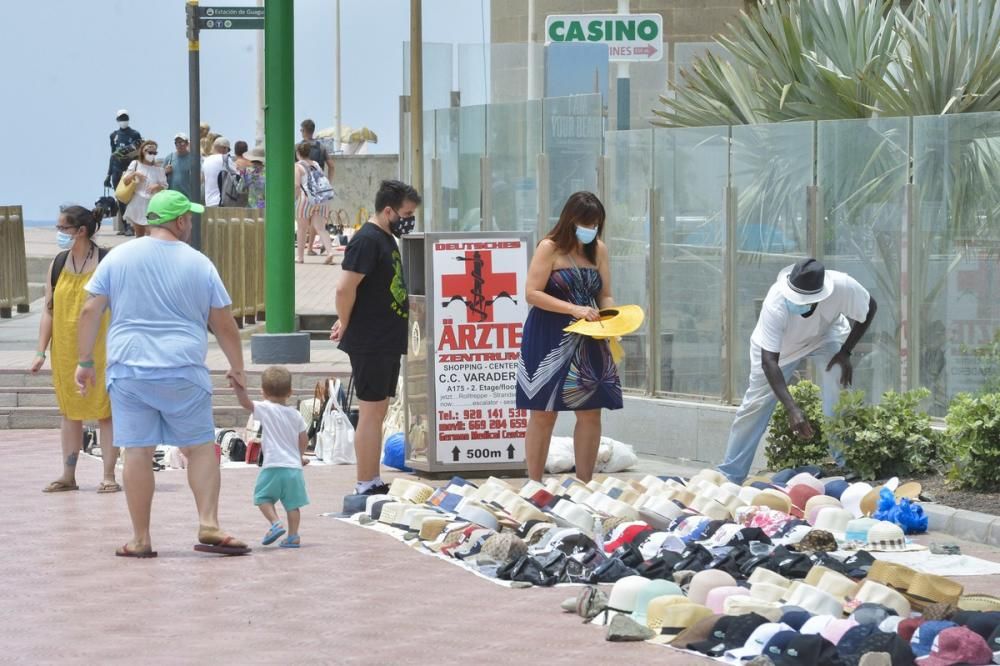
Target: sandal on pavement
291,541
329,260
277,529
59,487
213,541
125,551
109,487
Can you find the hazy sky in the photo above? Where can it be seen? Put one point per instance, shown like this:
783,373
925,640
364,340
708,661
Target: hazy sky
68,65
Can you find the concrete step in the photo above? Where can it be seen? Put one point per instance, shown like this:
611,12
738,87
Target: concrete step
12,397
302,381
49,418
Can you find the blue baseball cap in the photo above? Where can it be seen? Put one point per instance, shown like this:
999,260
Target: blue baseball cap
836,488
778,644
795,617
784,476
923,637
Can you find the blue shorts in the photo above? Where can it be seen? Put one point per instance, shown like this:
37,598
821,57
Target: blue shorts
286,484
162,411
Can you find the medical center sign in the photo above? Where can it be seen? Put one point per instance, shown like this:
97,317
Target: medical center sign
480,285
629,37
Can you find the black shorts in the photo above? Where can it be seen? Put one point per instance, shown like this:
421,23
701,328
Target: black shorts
375,376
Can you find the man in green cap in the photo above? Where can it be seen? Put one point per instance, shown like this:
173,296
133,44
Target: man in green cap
163,296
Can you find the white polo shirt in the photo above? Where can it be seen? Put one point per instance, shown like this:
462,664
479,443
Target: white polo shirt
795,336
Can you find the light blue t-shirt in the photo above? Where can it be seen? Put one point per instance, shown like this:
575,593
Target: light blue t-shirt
160,294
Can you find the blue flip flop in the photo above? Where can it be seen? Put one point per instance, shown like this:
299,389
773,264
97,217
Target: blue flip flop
277,529
291,541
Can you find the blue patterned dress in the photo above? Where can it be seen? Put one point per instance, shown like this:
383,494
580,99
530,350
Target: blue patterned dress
561,371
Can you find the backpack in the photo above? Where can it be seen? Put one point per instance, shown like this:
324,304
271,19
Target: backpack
316,185
59,263
232,188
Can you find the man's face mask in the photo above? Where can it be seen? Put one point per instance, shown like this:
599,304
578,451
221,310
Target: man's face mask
796,309
402,225
123,124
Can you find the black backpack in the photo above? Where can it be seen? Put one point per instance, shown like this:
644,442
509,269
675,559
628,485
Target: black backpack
60,262
232,188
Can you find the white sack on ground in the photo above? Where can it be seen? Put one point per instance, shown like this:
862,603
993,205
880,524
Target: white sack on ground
612,456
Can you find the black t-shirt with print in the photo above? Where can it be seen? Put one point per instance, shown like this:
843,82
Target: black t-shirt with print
381,308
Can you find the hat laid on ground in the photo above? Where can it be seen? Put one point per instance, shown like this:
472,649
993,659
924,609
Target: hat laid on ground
762,575
896,649
884,536
754,644
852,496
614,322
928,635
816,601
834,519
873,613
889,625
806,479
705,581
816,624
876,593
504,547
907,627
817,504
651,590
625,592
716,599
807,649
674,618
431,528
741,604
836,629
911,490
838,585
835,488
928,589
799,495
478,515
805,282
701,633
767,591
167,205
869,503
774,499
795,617
817,541
979,602
856,531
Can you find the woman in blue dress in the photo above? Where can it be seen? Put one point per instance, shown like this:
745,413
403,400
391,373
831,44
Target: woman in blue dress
569,279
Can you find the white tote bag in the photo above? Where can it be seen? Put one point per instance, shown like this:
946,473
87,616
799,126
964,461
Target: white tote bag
335,439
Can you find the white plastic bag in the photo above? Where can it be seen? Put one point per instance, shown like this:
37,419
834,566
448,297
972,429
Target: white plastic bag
335,439
612,456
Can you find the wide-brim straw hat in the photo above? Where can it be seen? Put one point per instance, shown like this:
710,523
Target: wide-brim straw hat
876,593
774,499
614,322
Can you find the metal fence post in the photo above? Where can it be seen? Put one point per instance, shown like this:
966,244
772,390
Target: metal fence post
655,375
543,195
729,342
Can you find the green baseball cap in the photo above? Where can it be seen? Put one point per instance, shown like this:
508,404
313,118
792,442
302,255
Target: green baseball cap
167,205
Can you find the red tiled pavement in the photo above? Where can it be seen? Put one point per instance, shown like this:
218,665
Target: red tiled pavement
350,595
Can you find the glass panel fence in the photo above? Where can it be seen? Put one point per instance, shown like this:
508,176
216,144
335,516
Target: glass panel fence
574,137
513,145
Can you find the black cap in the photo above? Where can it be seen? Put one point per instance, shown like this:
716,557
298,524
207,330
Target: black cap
749,535
808,650
894,645
983,623
795,617
850,642
716,641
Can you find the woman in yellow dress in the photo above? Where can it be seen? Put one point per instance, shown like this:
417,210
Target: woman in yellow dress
76,228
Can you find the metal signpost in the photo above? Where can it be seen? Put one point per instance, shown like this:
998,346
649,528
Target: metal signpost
198,19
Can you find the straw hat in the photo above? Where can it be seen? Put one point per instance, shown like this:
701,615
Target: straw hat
713,476
707,580
774,499
816,601
614,322
892,574
569,514
650,482
742,604
767,591
748,494
675,618
652,590
762,575
926,589
392,513
658,611
979,602
838,585
418,493
529,488
815,504
876,593
432,527
869,503
815,575
910,490
885,536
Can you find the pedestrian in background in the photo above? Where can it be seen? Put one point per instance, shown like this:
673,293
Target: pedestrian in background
373,309
254,178
71,269
124,148
151,178
240,162
309,215
181,165
213,167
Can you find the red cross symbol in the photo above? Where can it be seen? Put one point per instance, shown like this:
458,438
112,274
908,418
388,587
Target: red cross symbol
479,286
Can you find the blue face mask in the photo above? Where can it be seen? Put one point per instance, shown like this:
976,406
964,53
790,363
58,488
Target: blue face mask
585,235
64,240
797,309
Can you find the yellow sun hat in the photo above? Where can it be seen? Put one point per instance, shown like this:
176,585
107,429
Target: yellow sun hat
614,322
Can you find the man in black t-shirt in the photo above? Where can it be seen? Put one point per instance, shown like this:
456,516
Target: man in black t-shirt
373,312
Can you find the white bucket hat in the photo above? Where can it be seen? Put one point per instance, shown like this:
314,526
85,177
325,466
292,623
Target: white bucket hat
743,604
650,482
816,601
569,514
884,536
815,504
833,519
529,488
851,498
748,493
876,593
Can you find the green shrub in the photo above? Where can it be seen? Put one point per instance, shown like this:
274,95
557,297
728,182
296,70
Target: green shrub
784,448
972,437
891,438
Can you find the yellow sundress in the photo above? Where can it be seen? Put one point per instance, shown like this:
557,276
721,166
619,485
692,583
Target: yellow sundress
68,300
